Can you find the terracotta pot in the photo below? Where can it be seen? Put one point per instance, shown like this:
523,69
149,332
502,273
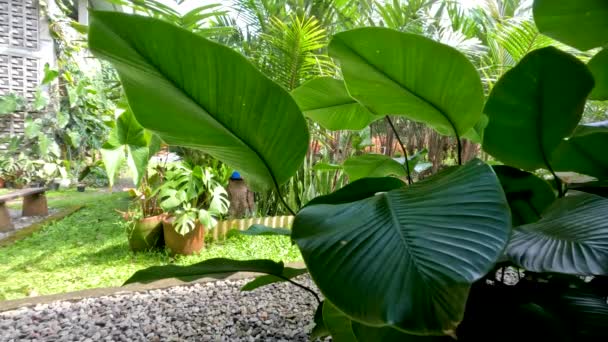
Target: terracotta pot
187,244
1,182
147,234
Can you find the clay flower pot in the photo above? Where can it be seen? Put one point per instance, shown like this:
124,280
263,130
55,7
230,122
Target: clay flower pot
187,244
147,234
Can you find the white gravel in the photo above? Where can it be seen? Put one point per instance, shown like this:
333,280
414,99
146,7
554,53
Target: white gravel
216,311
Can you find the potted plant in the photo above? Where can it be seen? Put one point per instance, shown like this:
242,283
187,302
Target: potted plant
145,217
3,170
192,199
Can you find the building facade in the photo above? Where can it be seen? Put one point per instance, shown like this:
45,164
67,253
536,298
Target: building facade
25,47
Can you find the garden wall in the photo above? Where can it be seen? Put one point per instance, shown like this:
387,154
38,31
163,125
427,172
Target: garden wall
222,228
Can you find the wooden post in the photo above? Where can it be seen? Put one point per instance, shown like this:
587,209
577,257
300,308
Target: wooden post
35,205
6,225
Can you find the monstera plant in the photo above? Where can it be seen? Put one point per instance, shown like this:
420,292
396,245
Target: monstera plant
395,261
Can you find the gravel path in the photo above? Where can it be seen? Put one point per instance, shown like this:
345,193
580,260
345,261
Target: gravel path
215,311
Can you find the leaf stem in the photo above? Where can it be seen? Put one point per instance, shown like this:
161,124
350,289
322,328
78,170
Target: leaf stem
558,182
407,165
300,286
276,185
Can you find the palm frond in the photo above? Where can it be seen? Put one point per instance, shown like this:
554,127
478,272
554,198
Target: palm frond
518,37
471,47
293,50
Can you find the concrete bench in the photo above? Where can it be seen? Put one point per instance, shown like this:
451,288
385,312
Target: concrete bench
34,204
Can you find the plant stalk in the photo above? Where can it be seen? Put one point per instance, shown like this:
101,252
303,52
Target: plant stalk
407,165
301,286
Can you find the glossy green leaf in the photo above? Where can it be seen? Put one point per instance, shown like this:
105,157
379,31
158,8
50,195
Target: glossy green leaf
372,165
197,93
414,160
205,268
319,330
343,328
527,194
49,74
62,119
338,324
359,189
408,255
586,312
599,188
32,128
570,238
598,65
10,103
395,73
579,23
585,151
260,229
127,141
113,159
40,100
322,166
288,273
534,106
326,101
386,334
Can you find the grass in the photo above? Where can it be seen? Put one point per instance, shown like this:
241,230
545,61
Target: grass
89,249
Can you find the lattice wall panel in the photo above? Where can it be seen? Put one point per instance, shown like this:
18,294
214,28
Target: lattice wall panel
19,24
18,75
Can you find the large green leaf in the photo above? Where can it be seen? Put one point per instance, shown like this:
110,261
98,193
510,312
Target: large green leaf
527,194
319,330
344,329
598,65
359,189
326,101
408,255
579,23
586,312
599,188
10,103
288,273
127,138
585,151
113,159
338,324
386,334
570,238
205,268
197,93
394,73
534,106
372,165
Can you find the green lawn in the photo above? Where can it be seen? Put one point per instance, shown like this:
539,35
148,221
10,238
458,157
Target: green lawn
89,249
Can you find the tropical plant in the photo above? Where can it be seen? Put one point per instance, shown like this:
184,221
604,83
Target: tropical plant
192,195
10,103
197,20
128,142
424,261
